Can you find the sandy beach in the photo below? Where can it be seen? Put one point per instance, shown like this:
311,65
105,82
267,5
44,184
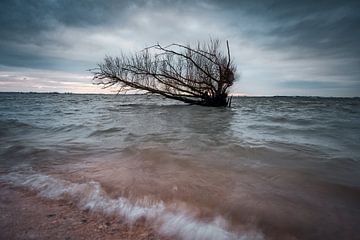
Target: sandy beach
24,215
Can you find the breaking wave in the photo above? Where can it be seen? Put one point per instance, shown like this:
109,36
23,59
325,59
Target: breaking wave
168,220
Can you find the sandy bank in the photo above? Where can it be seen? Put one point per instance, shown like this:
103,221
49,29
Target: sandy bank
27,216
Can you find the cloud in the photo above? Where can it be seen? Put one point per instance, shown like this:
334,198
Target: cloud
272,41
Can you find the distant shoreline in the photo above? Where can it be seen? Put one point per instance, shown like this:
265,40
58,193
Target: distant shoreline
134,94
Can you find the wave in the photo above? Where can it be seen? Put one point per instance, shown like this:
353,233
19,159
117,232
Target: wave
291,120
68,128
112,130
167,220
7,127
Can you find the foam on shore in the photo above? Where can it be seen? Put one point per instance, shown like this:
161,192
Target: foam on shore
167,220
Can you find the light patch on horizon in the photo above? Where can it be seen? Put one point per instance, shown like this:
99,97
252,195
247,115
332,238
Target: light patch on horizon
48,81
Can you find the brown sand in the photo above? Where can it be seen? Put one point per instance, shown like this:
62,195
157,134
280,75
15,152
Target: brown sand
24,215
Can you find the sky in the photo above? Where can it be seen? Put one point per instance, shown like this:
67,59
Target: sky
282,47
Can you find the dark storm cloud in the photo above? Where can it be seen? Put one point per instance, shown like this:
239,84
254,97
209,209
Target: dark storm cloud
327,36
318,27
323,28
24,22
273,41
326,31
21,19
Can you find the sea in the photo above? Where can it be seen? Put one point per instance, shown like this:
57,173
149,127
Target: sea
265,168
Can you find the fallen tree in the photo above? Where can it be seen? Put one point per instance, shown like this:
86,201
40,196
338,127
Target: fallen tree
196,75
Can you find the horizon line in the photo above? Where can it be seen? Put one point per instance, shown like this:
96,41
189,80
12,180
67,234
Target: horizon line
230,95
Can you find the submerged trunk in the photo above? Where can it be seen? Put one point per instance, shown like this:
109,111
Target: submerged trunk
217,101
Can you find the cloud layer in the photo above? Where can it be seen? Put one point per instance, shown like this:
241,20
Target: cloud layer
281,48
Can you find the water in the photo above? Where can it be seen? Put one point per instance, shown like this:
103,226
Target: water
267,168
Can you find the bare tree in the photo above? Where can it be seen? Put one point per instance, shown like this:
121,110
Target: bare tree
197,75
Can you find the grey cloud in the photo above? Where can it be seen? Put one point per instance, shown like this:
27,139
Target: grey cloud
274,41
318,38
329,88
316,84
29,28
13,57
307,28
22,21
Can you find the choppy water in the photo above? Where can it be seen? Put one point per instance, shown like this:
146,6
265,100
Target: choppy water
268,168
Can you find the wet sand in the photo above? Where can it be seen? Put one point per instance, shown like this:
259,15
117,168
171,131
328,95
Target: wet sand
24,215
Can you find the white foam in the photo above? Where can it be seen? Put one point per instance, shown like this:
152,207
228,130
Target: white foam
167,221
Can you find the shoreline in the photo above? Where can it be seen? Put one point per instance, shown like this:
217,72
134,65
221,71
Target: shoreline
28,216
235,95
